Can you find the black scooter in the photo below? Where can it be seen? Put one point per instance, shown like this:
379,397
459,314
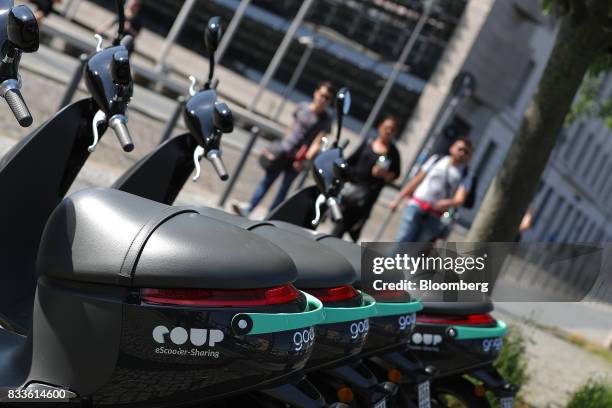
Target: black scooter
36,173
161,174
19,35
450,340
111,323
135,180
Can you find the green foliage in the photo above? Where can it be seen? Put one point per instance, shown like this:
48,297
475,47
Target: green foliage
590,102
512,361
594,394
555,6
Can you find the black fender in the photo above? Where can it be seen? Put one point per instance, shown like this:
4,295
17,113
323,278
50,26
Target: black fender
161,174
35,174
299,209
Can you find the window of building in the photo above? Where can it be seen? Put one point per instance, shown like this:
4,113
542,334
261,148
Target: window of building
542,205
600,171
548,233
583,151
571,142
590,163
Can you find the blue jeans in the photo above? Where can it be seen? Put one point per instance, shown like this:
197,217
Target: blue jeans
417,225
264,185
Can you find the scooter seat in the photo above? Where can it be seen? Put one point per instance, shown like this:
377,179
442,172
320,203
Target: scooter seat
352,253
317,266
112,237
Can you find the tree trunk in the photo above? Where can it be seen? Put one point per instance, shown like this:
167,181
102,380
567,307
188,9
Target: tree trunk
579,40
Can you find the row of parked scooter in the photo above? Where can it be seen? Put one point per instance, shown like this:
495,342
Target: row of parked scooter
114,297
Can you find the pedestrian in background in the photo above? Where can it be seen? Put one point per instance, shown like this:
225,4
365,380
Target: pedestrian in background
43,9
311,122
441,184
374,164
133,20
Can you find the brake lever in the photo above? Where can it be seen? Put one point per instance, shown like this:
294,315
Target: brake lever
320,201
198,153
99,117
100,40
193,86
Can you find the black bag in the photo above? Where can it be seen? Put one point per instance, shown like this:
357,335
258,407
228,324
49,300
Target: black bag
279,157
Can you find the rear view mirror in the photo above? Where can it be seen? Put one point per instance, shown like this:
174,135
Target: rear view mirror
22,29
212,37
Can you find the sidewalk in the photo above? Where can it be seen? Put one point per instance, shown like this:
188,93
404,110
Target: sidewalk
556,368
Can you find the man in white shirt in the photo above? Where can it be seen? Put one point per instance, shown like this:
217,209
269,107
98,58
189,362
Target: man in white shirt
440,185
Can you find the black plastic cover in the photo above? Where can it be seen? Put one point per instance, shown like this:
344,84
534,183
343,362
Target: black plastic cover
93,234
317,266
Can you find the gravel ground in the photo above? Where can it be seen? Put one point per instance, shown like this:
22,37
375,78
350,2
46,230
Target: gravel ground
556,367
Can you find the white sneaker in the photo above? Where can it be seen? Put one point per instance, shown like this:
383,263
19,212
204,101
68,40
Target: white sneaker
240,208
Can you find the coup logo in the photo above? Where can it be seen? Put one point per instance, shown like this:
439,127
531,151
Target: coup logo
179,336
426,339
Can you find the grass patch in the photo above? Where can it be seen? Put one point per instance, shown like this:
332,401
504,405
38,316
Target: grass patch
512,364
512,361
594,394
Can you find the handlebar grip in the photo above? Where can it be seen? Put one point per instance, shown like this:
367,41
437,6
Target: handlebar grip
123,134
334,208
217,162
18,106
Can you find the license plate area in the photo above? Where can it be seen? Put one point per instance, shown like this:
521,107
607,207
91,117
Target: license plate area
424,395
381,404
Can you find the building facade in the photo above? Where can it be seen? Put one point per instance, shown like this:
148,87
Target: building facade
507,59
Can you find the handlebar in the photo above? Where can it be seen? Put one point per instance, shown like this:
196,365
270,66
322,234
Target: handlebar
118,124
18,106
334,208
214,156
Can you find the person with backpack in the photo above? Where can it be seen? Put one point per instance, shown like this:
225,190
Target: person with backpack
373,164
442,183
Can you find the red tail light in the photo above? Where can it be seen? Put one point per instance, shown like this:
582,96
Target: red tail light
221,297
469,320
334,294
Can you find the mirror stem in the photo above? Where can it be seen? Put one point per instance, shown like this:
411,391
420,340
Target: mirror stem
338,130
211,70
121,21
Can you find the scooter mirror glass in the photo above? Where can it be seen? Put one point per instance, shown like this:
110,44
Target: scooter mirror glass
22,29
344,96
213,34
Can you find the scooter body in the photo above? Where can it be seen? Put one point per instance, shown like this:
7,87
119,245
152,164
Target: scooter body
34,176
340,338
114,326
